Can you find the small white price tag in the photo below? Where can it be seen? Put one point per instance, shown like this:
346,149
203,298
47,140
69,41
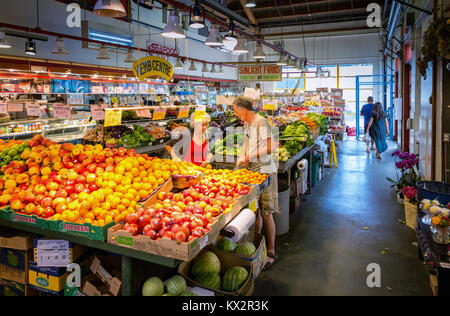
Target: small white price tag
52,253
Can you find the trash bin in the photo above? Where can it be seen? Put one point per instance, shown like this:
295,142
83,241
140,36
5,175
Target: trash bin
281,218
433,190
314,168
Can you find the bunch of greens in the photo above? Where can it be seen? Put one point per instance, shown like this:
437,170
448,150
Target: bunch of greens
136,137
294,135
230,145
321,121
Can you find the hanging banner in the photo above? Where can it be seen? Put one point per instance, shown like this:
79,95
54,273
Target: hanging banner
152,66
259,73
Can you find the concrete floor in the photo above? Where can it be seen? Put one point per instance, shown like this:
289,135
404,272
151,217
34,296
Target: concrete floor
327,250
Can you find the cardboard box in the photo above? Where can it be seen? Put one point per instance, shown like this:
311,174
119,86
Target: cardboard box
259,259
227,261
165,187
164,246
47,279
11,288
99,270
183,182
14,239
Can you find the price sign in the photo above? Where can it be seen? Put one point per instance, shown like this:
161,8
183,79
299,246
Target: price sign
199,114
3,108
52,253
144,113
184,112
251,93
62,111
159,114
269,105
113,117
33,109
98,112
15,107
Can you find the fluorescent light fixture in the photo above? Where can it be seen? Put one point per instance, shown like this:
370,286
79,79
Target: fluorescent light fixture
173,28
259,53
250,4
30,47
110,38
240,48
130,57
103,53
110,8
59,47
3,41
214,38
195,19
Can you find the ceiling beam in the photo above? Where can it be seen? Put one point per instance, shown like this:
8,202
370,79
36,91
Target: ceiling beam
343,29
269,6
269,18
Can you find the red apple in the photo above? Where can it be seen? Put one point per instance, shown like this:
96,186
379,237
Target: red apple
180,237
156,223
132,218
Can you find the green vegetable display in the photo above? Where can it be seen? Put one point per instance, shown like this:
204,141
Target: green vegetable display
293,137
230,145
321,121
138,137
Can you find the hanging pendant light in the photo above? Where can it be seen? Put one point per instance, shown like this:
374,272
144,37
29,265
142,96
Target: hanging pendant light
214,38
301,66
173,28
221,72
178,64
204,69
259,53
213,69
103,53
110,8
230,36
59,47
195,19
282,60
130,57
192,67
3,41
250,4
240,48
289,62
318,72
30,47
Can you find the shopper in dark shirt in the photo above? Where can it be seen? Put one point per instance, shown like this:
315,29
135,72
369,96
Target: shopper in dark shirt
366,111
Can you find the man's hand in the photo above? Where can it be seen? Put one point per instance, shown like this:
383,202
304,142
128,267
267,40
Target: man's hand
204,163
243,161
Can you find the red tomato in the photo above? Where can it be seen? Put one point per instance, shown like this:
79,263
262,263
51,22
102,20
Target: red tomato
180,237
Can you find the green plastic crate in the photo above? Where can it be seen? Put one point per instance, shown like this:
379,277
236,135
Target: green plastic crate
83,230
72,291
31,220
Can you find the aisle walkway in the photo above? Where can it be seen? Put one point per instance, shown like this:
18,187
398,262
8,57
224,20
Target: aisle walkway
327,249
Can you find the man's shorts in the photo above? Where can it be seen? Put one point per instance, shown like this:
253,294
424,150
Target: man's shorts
269,198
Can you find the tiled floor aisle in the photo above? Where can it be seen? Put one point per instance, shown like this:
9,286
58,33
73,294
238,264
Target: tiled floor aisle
327,249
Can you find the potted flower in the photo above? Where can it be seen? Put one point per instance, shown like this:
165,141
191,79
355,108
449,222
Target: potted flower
406,172
410,194
441,224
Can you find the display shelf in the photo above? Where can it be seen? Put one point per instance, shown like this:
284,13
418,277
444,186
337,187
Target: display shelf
102,245
285,166
45,130
148,149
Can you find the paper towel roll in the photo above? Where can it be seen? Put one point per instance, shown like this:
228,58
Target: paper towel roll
241,224
302,164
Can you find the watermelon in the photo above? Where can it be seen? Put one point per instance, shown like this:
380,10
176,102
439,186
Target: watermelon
234,279
153,287
211,280
245,249
225,244
176,285
207,262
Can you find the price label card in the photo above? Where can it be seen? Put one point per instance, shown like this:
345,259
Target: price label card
62,111
159,114
269,105
184,112
251,93
113,117
3,108
144,113
33,109
15,107
52,253
98,112
199,114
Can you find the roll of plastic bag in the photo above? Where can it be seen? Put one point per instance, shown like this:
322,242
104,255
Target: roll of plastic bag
241,224
302,164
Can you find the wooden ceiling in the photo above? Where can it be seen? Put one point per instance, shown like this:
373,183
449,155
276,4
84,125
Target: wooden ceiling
276,13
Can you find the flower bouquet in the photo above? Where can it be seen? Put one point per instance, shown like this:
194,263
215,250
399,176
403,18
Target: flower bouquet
406,172
440,228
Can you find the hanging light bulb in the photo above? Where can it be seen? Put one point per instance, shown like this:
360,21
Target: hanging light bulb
204,69
103,53
195,19
301,66
213,69
230,36
130,57
178,64
221,72
30,47
95,76
59,47
192,67
110,8
3,41
250,4
259,53
240,48
282,60
214,38
173,28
